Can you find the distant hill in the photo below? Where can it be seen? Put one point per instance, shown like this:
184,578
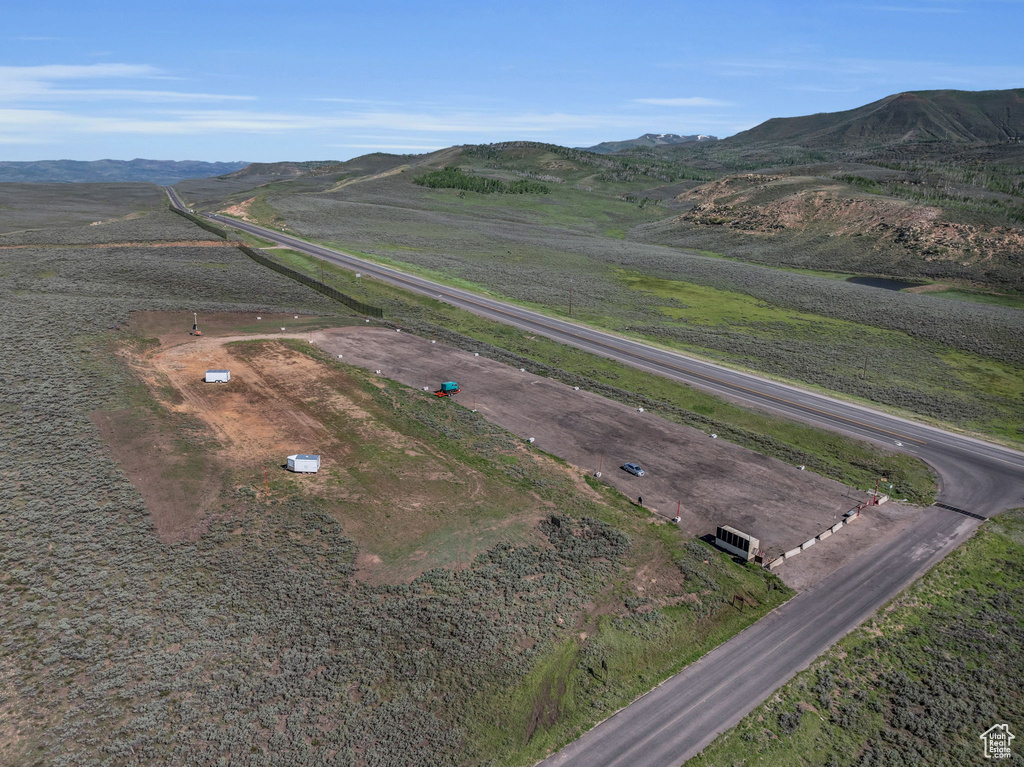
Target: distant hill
962,117
648,139
152,171
275,169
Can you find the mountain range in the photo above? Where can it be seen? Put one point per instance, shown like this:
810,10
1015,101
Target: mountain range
648,139
152,171
914,117
909,118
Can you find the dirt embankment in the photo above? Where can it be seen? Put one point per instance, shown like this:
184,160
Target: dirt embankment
765,205
241,210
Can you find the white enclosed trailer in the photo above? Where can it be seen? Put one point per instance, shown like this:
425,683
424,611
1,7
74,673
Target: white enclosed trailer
307,464
218,376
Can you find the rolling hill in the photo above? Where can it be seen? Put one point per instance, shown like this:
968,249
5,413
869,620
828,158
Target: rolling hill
959,117
920,185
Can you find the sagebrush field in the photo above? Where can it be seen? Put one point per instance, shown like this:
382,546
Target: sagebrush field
242,633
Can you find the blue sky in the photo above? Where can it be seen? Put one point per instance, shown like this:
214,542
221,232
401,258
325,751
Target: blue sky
267,81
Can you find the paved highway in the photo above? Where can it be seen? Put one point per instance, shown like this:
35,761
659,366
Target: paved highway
681,716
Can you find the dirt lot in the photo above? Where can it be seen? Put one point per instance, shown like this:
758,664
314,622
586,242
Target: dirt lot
258,419
715,482
402,501
249,415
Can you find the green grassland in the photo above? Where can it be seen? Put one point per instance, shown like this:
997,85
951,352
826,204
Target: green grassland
917,684
1014,302
590,675
913,353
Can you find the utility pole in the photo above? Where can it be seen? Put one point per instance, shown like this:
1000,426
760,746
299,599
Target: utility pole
570,297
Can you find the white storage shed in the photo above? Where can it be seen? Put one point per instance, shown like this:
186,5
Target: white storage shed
218,376
307,464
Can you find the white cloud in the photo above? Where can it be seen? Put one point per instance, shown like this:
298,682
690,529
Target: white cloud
415,147
40,83
93,94
49,72
5,140
690,101
910,9
66,104
221,121
339,100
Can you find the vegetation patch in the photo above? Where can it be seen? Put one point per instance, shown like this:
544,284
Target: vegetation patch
452,177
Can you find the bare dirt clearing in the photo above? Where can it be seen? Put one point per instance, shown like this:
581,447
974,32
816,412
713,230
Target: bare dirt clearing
180,487
249,416
400,499
407,506
241,210
716,482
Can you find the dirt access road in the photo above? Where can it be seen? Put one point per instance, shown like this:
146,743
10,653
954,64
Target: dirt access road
716,482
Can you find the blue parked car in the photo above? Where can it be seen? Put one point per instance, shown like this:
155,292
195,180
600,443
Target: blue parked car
633,469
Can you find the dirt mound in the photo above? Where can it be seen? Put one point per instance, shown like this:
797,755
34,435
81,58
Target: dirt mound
241,210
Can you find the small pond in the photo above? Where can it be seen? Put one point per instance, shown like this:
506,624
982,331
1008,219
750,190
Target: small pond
884,283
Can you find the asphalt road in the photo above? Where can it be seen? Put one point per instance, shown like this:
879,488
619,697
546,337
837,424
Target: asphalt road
678,718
